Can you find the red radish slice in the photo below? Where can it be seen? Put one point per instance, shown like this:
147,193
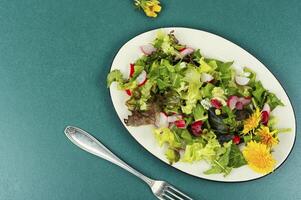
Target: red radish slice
231,102
186,51
148,49
206,77
196,128
180,123
174,118
129,92
266,107
161,120
132,70
245,100
239,105
216,103
265,114
240,80
236,139
141,79
265,117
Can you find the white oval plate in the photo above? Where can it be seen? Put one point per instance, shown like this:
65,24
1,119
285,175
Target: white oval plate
217,47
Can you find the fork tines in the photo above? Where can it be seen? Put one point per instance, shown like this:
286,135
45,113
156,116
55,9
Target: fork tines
171,193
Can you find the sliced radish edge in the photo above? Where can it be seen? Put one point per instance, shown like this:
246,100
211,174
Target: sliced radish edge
231,102
132,70
196,128
180,123
141,79
236,139
216,103
147,49
186,51
161,120
128,92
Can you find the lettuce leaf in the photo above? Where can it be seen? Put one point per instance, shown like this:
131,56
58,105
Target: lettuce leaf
273,101
172,155
220,165
258,92
207,90
165,135
199,113
198,151
114,76
236,159
193,94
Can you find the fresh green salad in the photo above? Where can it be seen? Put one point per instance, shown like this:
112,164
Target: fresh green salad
202,108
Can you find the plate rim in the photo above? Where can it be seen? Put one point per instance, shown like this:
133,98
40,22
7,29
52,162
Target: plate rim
210,33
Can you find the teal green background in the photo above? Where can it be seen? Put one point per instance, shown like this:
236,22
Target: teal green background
54,58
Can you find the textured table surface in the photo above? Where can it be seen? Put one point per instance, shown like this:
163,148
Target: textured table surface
54,57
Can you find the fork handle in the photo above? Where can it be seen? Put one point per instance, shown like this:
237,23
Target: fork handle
90,144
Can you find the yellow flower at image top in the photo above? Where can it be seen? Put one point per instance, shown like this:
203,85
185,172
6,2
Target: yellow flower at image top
252,122
267,137
259,157
150,7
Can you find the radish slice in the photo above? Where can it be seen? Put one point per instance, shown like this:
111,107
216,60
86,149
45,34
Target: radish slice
206,77
186,51
141,79
128,92
265,114
161,120
240,80
265,117
180,123
266,107
236,139
216,103
132,70
231,102
174,118
196,128
245,100
239,105
148,49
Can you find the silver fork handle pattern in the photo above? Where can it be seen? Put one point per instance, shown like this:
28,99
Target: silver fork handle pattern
88,143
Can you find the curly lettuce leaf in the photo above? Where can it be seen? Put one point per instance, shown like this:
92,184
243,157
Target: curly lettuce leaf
166,43
198,151
115,76
204,66
193,94
165,135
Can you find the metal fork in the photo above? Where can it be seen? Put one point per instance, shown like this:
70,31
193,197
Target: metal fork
161,189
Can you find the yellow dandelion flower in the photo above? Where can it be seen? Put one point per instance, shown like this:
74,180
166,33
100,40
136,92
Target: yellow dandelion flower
150,7
266,137
259,157
252,122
